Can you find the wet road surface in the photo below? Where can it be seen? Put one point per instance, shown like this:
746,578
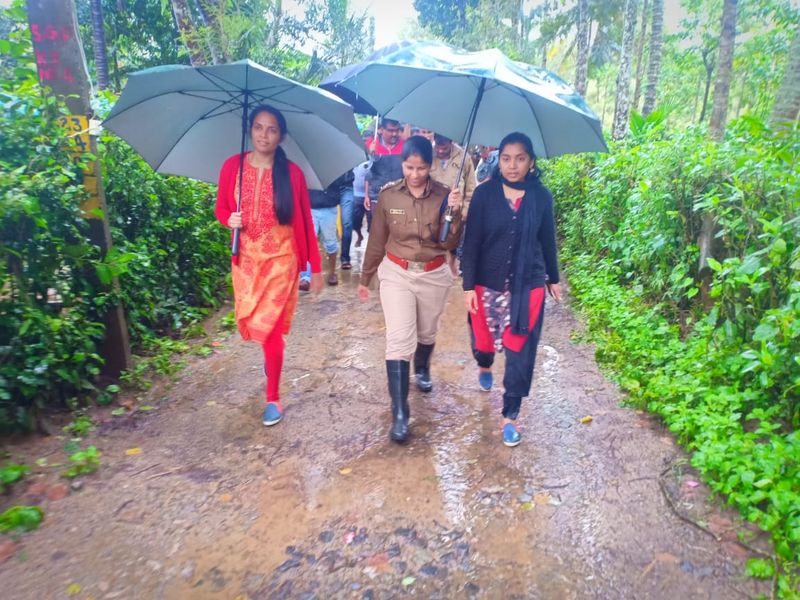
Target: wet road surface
324,506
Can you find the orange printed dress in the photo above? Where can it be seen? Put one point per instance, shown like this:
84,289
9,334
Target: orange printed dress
265,282
266,272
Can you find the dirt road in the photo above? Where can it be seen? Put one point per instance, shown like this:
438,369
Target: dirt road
323,506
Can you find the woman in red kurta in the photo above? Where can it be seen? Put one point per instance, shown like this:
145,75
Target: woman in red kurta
277,239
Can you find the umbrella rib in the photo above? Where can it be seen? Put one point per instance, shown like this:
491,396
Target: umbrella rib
282,87
192,124
538,125
471,78
142,101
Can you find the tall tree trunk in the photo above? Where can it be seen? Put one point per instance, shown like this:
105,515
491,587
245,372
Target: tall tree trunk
622,108
183,19
654,62
209,11
722,89
371,34
99,43
709,65
582,64
787,105
719,113
274,34
637,86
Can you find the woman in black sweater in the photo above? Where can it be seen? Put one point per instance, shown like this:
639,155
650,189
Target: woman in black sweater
509,257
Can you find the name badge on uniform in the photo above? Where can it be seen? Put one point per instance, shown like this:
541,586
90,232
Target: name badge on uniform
397,211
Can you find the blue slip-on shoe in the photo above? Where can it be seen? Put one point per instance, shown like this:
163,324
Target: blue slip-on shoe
273,414
485,380
511,436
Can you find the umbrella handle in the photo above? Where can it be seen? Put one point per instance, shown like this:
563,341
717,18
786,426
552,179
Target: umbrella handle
235,245
448,219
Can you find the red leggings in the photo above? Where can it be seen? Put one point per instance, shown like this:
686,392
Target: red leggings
273,362
484,342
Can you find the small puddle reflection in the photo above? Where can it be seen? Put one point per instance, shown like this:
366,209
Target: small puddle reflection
451,470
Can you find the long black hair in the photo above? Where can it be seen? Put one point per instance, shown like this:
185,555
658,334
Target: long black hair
281,183
517,137
417,145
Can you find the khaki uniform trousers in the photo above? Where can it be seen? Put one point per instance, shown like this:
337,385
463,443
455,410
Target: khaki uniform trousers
413,303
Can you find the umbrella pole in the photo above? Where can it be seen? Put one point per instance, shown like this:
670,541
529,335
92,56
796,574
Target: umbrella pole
448,217
237,231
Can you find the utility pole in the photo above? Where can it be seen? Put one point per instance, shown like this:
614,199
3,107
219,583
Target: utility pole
62,68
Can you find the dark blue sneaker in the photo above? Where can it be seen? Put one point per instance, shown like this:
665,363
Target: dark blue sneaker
511,436
273,413
485,380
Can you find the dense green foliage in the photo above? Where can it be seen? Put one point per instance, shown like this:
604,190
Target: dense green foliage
50,324
170,256
723,373
176,254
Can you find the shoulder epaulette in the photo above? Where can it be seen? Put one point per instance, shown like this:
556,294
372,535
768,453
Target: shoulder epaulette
386,186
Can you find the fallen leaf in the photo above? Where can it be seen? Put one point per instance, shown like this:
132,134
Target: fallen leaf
74,589
216,344
38,488
133,451
225,498
7,550
408,580
542,498
211,403
587,419
128,403
57,492
379,562
527,505
345,471
146,408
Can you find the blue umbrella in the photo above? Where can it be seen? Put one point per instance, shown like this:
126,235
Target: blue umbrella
476,97
187,121
353,98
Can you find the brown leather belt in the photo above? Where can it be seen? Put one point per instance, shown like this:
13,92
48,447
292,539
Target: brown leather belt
416,266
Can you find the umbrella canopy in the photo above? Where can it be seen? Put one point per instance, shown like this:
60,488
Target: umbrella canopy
352,97
473,97
188,120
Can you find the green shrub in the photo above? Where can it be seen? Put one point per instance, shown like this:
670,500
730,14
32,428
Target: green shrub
725,374
170,256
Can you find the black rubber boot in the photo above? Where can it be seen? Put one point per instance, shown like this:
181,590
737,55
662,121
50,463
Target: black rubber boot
422,367
397,374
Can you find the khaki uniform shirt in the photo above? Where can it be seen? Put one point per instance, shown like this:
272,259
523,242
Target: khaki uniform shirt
408,227
447,174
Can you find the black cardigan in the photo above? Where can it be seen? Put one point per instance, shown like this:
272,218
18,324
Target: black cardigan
491,240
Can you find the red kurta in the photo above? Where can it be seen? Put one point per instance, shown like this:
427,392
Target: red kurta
271,255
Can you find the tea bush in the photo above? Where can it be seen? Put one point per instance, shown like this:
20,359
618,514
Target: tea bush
723,373
170,256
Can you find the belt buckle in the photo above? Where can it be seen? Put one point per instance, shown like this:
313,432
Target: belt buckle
416,267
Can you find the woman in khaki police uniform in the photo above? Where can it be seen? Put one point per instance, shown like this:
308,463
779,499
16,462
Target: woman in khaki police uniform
411,264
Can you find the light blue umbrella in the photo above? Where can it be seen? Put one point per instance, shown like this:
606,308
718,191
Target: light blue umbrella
475,97
187,121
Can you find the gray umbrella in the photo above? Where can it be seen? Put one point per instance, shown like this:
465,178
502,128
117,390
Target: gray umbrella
187,121
474,97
